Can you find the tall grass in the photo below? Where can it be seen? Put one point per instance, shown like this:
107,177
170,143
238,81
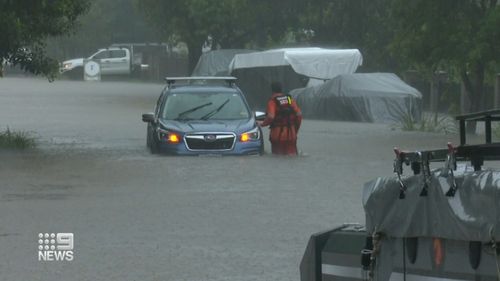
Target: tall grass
496,131
405,120
428,123
17,139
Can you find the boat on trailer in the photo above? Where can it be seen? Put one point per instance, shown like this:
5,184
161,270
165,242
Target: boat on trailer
440,224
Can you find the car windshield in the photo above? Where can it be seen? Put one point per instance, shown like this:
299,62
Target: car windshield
204,106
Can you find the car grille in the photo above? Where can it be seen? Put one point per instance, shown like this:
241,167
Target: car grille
210,141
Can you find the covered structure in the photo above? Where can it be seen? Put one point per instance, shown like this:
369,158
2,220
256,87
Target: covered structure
293,67
361,97
216,62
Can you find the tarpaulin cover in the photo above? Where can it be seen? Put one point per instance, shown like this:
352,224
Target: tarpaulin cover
471,215
216,62
362,97
255,83
292,67
312,62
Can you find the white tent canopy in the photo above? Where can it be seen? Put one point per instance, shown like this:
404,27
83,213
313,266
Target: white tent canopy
216,62
293,67
316,63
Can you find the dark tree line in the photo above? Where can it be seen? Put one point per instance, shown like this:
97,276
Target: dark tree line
461,37
105,23
24,26
458,36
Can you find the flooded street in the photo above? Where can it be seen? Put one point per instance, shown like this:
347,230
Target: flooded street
136,216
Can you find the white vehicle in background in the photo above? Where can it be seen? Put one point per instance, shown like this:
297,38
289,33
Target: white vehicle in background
118,59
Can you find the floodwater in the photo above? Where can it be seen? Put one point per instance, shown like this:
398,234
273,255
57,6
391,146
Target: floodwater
136,216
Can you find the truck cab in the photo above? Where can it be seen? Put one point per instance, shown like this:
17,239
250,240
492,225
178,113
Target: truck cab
113,60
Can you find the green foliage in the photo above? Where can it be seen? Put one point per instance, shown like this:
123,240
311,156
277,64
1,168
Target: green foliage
361,24
407,120
105,23
16,139
429,123
24,25
459,36
496,132
455,32
232,23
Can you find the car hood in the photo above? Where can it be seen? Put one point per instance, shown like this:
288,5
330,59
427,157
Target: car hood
74,62
195,126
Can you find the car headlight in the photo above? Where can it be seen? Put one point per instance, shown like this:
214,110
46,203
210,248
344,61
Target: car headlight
251,135
167,136
66,65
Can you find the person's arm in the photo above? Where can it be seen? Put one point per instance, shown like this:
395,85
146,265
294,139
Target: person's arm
271,113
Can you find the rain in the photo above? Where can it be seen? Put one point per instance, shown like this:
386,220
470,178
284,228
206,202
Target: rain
139,216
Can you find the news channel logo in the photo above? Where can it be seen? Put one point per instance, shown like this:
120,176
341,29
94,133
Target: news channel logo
55,246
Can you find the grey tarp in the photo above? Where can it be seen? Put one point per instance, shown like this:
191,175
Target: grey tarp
471,215
216,62
256,83
362,97
291,66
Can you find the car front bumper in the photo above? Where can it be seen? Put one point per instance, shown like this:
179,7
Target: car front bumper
239,148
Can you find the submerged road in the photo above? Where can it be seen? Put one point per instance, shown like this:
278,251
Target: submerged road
141,217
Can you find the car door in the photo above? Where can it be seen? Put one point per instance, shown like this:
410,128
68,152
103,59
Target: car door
154,125
103,57
119,61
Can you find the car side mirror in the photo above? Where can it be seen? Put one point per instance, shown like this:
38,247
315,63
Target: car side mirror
260,116
148,117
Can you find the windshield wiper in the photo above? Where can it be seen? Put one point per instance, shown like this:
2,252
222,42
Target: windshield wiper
215,111
179,117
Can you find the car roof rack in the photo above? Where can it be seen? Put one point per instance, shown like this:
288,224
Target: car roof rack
200,80
476,153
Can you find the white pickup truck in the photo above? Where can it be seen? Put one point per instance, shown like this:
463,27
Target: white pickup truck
118,59
113,61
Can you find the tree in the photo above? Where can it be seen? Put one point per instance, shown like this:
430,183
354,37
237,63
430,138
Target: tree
24,25
232,23
460,36
105,23
360,24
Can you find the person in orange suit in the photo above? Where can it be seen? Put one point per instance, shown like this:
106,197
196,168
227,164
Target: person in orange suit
284,119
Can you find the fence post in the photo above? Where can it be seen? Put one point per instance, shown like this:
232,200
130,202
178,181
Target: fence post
433,99
497,91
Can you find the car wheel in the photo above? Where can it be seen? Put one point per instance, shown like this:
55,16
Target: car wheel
148,138
151,142
153,148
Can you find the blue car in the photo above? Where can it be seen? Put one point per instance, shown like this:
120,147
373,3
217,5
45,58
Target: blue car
203,115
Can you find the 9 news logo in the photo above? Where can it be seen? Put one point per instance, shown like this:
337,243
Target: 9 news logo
55,246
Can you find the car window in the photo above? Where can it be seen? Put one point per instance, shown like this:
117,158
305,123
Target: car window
118,54
101,55
214,106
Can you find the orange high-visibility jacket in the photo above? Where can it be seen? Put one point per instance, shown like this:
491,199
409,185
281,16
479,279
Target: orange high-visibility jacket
282,133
